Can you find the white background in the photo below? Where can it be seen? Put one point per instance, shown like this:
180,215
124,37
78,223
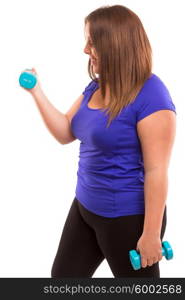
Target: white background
37,173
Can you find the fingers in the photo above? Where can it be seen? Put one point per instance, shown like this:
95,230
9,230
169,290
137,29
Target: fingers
149,262
143,262
33,69
160,257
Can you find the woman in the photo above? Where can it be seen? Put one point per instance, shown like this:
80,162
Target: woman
126,121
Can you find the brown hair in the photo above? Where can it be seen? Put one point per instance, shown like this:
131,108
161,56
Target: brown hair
124,54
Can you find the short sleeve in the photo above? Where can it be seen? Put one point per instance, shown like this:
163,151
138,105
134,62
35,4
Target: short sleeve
154,96
89,87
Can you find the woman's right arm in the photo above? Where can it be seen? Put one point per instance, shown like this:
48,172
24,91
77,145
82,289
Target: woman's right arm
58,124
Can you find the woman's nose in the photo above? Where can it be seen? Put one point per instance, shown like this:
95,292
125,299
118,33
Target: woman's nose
86,51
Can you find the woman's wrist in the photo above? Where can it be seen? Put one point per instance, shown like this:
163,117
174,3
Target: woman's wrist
151,232
36,91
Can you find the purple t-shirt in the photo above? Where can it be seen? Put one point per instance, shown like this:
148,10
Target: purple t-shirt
110,176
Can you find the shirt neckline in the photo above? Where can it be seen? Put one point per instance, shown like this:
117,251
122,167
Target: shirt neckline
90,96
97,86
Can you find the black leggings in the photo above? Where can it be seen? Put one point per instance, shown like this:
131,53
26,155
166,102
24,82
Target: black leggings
87,239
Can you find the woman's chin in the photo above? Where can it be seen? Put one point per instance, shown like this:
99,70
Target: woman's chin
95,69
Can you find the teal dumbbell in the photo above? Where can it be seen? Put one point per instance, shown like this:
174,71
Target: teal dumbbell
135,257
27,80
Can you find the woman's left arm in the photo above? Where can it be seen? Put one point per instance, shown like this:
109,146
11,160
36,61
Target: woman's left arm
156,133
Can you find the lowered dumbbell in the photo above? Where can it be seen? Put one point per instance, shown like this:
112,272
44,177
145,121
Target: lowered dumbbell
135,257
27,79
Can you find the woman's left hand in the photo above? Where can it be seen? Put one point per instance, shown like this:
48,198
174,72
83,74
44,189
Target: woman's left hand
150,249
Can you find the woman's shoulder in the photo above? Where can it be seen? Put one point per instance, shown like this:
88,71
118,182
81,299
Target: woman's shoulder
153,84
90,86
153,96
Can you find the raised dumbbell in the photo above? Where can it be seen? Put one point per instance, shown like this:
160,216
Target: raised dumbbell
135,257
27,79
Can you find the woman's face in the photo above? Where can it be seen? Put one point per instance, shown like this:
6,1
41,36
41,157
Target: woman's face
90,50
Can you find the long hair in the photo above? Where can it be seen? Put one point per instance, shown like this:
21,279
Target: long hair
124,55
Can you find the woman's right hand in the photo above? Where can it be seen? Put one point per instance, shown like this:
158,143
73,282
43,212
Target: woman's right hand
37,87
